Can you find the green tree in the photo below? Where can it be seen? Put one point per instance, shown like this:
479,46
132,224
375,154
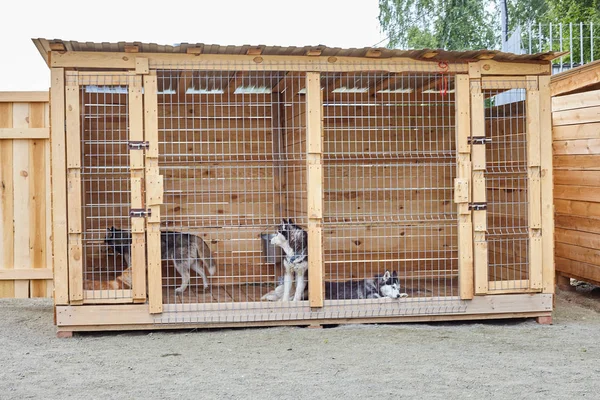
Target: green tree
448,24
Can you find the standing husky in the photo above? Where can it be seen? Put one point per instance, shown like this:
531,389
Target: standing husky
381,286
184,249
294,242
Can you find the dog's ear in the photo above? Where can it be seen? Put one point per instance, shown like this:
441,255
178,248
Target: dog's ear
394,274
290,221
385,276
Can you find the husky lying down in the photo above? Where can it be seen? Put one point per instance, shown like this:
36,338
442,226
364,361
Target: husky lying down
186,251
381,286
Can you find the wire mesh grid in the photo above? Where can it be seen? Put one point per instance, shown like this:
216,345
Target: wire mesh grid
105,179
232,148
390,163
506,179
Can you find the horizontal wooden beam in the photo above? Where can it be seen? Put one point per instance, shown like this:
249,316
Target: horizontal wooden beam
575,79
24,133
25,274
223,62
24,97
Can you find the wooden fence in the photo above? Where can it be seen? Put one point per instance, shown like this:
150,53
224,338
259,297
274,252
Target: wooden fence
25,207
576,142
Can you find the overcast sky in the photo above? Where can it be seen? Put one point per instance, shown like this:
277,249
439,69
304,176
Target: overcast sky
335,23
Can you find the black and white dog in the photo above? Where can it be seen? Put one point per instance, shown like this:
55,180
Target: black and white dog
294,242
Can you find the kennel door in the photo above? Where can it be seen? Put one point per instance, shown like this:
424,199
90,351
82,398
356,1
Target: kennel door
105,171
506,197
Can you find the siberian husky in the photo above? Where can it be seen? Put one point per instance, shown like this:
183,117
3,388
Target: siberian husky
294,242
186,251
382,286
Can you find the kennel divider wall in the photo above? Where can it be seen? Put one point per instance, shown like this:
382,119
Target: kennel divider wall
466,185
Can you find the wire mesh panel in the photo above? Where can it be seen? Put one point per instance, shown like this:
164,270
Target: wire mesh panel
106,182
506,179
232,154
390,163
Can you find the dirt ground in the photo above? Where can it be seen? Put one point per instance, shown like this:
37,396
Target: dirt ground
499,360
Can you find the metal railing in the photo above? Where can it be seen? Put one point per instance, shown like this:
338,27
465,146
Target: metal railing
581,40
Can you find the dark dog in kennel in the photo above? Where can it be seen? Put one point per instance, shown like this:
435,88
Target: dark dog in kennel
185,250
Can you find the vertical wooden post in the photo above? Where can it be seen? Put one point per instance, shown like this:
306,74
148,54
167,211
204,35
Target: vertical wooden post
136,165
462,185
22,212
154,195
74,214
7,256
547,185
478,162
59,187
534,195
314,166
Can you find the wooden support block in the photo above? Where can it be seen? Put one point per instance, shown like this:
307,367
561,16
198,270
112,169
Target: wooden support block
546,320
64,334
194,50
373,53
315,326
314,52
57,46
254,51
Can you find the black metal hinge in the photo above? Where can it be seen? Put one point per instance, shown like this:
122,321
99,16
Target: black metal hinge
480,140
139,212
138,145
477,206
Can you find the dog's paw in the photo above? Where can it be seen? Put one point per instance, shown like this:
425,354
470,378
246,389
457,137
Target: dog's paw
179,290
403,295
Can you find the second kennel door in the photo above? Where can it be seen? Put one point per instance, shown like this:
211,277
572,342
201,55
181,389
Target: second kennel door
506,205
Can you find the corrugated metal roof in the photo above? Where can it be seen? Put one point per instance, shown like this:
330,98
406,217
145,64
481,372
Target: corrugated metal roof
44,46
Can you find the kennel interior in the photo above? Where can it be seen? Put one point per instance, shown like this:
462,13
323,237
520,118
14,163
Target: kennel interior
432,165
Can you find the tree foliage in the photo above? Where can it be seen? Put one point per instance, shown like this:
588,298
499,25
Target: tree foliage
450,24
475,24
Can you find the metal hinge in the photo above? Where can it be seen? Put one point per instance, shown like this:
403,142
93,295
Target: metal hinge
477,206
139,212
480,140
138,145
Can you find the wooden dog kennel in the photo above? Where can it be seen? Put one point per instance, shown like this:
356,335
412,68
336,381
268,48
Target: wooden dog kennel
433,164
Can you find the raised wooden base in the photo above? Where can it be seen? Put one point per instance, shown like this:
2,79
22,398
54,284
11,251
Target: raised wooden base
189,316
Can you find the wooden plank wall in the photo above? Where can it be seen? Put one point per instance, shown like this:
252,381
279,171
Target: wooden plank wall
576,148
25,235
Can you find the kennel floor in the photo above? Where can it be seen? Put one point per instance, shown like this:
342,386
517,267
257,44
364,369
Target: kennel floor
252,292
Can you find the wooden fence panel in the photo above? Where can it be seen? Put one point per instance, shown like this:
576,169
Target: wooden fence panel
26,232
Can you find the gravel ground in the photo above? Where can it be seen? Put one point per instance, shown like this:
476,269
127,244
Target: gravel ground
500,360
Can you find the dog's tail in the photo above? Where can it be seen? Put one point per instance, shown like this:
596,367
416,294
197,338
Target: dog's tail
205,254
